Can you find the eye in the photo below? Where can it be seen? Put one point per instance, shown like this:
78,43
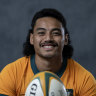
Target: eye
56,33
41,33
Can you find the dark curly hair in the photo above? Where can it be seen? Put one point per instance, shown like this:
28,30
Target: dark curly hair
28,49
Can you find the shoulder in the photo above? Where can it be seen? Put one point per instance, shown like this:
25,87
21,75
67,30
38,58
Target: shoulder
22,60
11,76
77,67
82,78
80,73
12,73
19,63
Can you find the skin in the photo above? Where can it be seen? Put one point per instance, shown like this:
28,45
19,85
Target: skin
48,39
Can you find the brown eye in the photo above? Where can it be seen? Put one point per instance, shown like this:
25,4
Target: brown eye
41,33
56,33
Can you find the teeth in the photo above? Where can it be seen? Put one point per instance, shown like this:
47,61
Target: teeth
48,46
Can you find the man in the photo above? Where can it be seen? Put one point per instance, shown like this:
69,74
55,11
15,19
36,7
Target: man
47,48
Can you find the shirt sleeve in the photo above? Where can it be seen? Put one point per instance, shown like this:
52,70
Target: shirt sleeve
7,81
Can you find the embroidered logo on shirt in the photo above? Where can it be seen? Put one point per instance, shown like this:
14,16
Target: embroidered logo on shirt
69,92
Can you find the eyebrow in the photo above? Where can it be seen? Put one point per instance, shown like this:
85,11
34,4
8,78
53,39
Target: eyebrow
54,29
40,29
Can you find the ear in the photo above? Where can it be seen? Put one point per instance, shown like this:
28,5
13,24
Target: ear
66,39
31,38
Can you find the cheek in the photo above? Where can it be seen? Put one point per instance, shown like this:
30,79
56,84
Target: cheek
61,41
61,44
35,39
36,44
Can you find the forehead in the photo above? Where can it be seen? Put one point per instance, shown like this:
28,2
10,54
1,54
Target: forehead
48,22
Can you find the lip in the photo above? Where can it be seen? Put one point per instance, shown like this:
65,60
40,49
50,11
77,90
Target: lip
48,44
48,47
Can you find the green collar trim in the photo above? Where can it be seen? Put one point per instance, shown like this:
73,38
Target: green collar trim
59,73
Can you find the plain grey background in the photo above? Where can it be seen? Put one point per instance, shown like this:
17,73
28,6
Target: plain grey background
15,20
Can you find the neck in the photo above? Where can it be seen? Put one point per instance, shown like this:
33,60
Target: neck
48,64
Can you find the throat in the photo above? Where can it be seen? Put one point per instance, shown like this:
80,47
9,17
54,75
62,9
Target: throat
59,71
52,65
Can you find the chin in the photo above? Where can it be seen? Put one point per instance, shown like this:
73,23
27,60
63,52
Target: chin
48,55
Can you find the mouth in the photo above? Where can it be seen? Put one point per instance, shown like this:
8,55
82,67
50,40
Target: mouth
48,47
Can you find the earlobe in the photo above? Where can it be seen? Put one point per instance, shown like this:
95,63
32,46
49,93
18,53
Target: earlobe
66,40
31,38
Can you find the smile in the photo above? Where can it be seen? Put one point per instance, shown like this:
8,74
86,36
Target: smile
48,47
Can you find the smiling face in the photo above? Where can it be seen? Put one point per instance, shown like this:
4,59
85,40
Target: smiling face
48,37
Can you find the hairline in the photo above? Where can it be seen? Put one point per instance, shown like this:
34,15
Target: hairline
50,17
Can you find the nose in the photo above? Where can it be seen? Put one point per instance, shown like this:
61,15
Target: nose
49,37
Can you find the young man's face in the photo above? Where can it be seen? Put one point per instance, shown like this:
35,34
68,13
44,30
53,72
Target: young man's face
48,37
